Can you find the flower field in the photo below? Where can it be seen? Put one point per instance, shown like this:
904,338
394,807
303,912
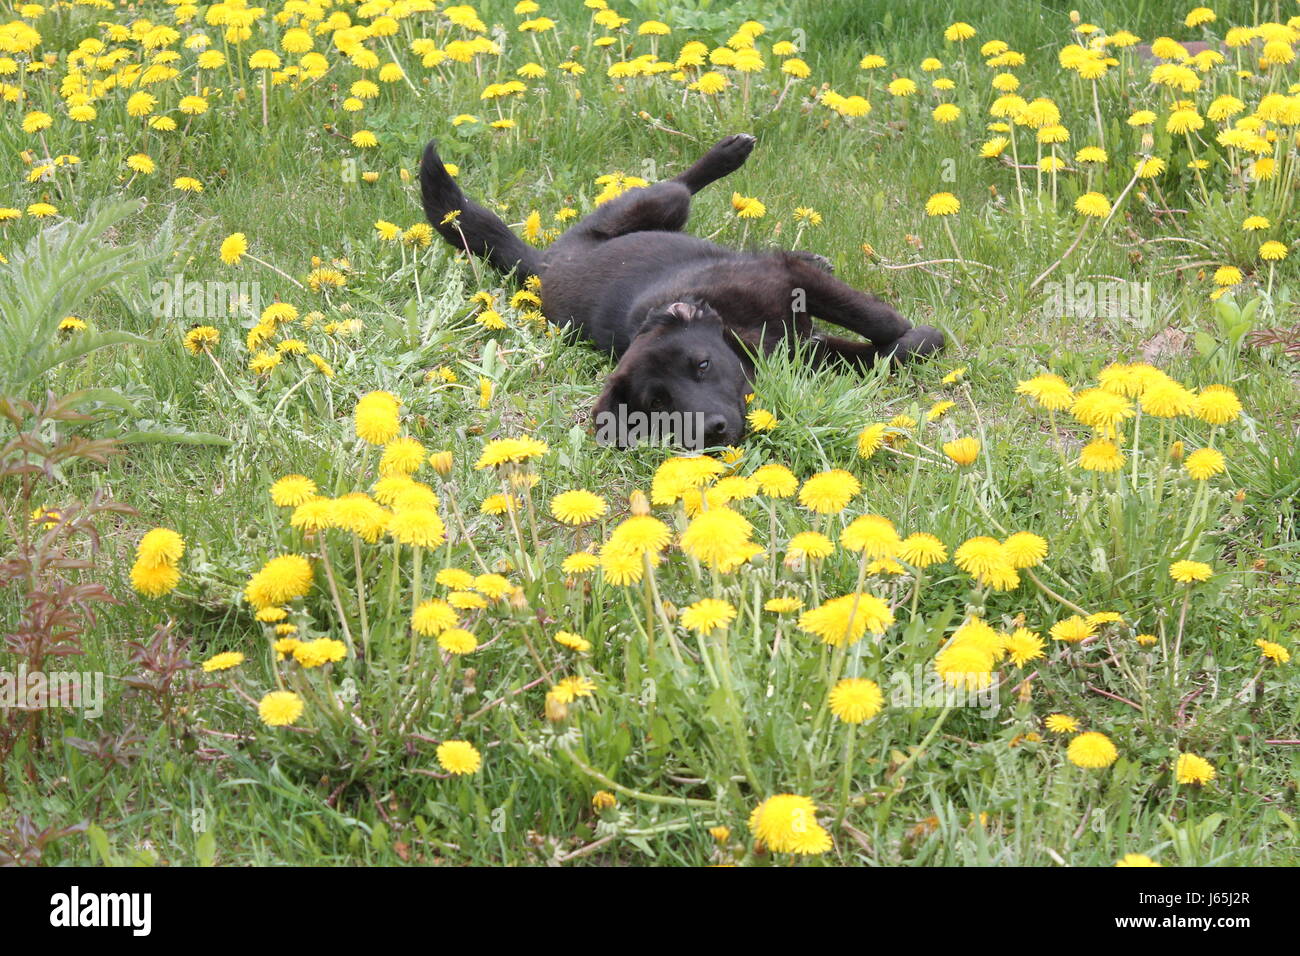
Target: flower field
310,505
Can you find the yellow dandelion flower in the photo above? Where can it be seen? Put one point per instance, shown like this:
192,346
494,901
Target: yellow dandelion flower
1092,751
856,699
458,757
280,708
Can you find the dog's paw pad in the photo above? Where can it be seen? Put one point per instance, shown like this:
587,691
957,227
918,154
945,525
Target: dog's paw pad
735,149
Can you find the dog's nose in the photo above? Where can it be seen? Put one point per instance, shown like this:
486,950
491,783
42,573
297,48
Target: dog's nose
715,429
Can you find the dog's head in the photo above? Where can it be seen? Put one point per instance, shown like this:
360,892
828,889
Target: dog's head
681,378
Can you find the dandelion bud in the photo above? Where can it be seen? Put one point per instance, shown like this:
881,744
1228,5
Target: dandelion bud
1240,496
1026,691
1176,451
405,174
524,479
720,834
638,503
1148,142
670,611
518,599
556,709
1074,17
603,800
441,462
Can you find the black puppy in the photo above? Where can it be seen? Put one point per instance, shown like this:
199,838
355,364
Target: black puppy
683,315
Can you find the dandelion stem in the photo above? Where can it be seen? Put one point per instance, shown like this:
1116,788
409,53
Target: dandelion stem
1096,112
334,593
361,599
220,370
1053,595
1137,431
737,719
605,781
647,600
659,606
279,272
841,650
464,531
846,780
1178,638
906,765
289,394
416,559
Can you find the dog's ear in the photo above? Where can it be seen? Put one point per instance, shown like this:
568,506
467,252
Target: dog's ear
687,311
682,311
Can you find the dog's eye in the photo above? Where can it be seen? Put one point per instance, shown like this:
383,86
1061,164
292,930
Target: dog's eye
657,404
703,366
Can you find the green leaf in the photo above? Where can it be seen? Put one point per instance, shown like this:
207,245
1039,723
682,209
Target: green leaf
1205,344
59,270
205,849
1248,313
98,841
82,345
102,396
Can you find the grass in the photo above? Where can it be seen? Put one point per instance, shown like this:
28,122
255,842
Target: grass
688,731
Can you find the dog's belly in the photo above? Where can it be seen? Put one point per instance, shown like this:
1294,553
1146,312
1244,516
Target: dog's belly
592,285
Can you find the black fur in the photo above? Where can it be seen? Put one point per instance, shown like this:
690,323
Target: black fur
683,315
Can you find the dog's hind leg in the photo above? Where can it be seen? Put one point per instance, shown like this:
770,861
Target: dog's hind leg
726,156
663,207
821,262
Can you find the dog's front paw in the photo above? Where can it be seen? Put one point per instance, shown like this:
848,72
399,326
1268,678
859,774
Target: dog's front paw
918,341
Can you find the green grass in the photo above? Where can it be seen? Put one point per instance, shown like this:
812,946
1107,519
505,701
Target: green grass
215,785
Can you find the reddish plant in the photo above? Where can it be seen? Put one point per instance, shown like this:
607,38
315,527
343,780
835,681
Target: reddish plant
48,546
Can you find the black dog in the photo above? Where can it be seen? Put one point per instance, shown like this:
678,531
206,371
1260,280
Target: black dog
683,315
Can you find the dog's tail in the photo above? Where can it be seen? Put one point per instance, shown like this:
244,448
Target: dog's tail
473,228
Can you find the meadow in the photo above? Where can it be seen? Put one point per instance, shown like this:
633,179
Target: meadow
314,500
